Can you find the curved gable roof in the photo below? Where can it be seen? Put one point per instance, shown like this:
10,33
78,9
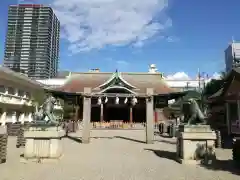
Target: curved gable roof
116,77
141,81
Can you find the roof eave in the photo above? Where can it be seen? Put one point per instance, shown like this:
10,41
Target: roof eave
15,76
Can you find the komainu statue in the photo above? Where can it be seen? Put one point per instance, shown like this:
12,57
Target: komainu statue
192,113
45,113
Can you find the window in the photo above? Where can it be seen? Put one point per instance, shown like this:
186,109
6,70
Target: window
28,95
11,90
2,89
233,111
10,112
20,93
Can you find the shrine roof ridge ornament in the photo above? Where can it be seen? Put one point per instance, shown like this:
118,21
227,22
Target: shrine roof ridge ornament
116,75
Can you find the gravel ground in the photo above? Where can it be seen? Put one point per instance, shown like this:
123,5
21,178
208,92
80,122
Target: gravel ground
116,155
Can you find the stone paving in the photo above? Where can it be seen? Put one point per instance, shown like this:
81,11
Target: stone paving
116,155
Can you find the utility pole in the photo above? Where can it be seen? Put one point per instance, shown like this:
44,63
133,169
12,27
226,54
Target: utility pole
202,90
187,85
201,86
199,80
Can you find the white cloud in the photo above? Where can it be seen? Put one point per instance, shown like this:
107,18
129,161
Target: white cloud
185,76
216,76
178,76
95,24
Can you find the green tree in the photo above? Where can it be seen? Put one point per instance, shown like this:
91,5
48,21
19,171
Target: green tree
214,85
223,75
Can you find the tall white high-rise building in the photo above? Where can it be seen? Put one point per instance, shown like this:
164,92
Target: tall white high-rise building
232,56
32,41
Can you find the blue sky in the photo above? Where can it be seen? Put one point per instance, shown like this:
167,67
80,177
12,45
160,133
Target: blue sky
181,37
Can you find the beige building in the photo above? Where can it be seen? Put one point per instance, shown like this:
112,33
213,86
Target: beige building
18,96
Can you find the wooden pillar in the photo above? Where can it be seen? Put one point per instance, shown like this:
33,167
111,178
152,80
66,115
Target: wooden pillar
238,110
131,116
76,107
155,115
101,113
76,112
72,114
155,118
74,126
86,116
228,118
149,117
238,105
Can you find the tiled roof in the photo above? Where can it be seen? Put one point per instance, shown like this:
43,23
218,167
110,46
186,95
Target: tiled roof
21,77
77,82
231,85
216,94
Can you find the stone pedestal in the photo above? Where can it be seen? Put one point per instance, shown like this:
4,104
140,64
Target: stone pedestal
195,144
3,130
236,151
43,143
3,144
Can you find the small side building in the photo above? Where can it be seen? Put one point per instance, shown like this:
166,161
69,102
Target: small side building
225,104
18,96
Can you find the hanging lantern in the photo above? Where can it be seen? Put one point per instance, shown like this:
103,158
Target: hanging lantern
134,101
117,100
106,100
126,100
99,101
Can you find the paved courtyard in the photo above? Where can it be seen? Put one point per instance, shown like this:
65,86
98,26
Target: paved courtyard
115,155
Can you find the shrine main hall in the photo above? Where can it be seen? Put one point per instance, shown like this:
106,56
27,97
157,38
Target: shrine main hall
126,97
